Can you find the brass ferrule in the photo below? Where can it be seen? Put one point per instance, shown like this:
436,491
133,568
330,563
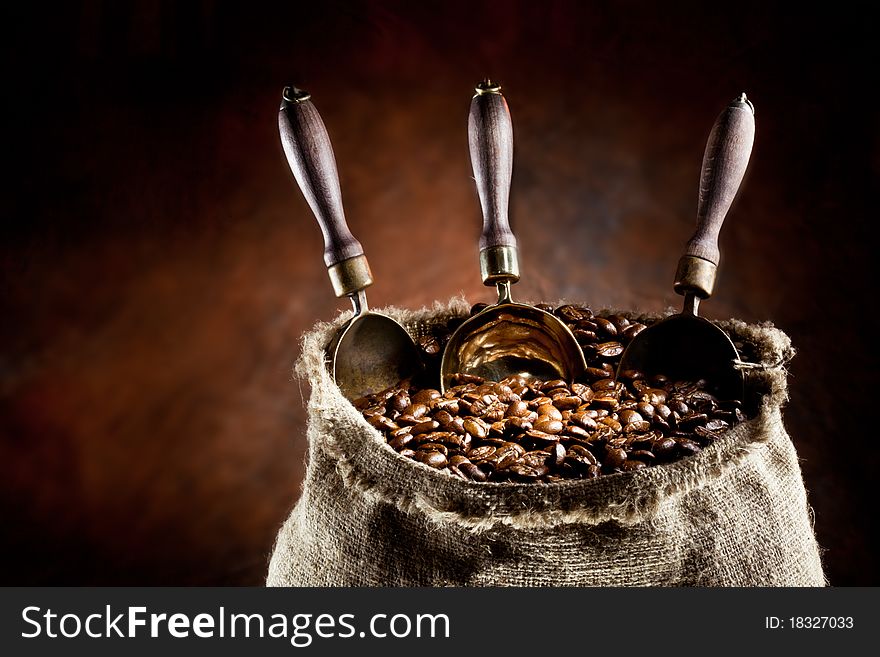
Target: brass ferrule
695,275
350,276
499,264
293,95
487,87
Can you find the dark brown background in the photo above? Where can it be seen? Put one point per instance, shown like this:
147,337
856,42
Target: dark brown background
159,265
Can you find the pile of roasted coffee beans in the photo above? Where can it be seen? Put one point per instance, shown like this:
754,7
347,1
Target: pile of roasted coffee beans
515,430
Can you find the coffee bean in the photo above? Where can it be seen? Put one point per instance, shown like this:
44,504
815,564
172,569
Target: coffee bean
716,425
542,437
688,422
476,427
549,411
480,453
430,345
424,427
628,417
584,337
572,313
516,425
663,447
577,432
654,396
607,402
629,466
687,446
609,349
548,425
606,326
614,458
472,472
632,331
557,455
433,459
382,423
400,442
425,396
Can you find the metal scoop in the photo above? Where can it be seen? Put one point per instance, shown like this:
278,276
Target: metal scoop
687,346
507,338
372,351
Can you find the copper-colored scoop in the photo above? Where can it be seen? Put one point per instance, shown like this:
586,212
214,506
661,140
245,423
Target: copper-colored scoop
371,352
507,338
687,346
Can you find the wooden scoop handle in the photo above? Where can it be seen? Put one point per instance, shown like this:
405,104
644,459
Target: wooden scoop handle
724,164
490,134
310,156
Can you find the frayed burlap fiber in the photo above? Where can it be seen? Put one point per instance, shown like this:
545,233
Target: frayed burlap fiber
736,514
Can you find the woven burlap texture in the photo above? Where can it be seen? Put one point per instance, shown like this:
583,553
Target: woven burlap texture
736,514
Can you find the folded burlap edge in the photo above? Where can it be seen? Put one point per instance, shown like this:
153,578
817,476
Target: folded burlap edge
360,451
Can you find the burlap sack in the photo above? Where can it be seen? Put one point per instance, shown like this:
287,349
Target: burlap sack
735,514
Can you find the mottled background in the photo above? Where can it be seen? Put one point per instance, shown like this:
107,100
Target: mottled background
159,264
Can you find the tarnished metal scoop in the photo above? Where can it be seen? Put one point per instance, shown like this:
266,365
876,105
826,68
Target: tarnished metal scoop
687,346
372,351
507,338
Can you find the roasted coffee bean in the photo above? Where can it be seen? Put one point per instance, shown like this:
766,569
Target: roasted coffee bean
614,458
548,386
654,396
548,425
529,472
596,373
534,458
400,442
607,402
541,437
548,412
557,455
609,349
516,425
583,420
628,417
430,345
629,466
398,402
448,405
642,455
433,447
566,402
615,426
663,447
472,471
688,422
632,331
382,423
577,432
476,427
425,396
424,427
572,313
480,453
716,425
687,446
433,459
606,326
584,337
517,409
